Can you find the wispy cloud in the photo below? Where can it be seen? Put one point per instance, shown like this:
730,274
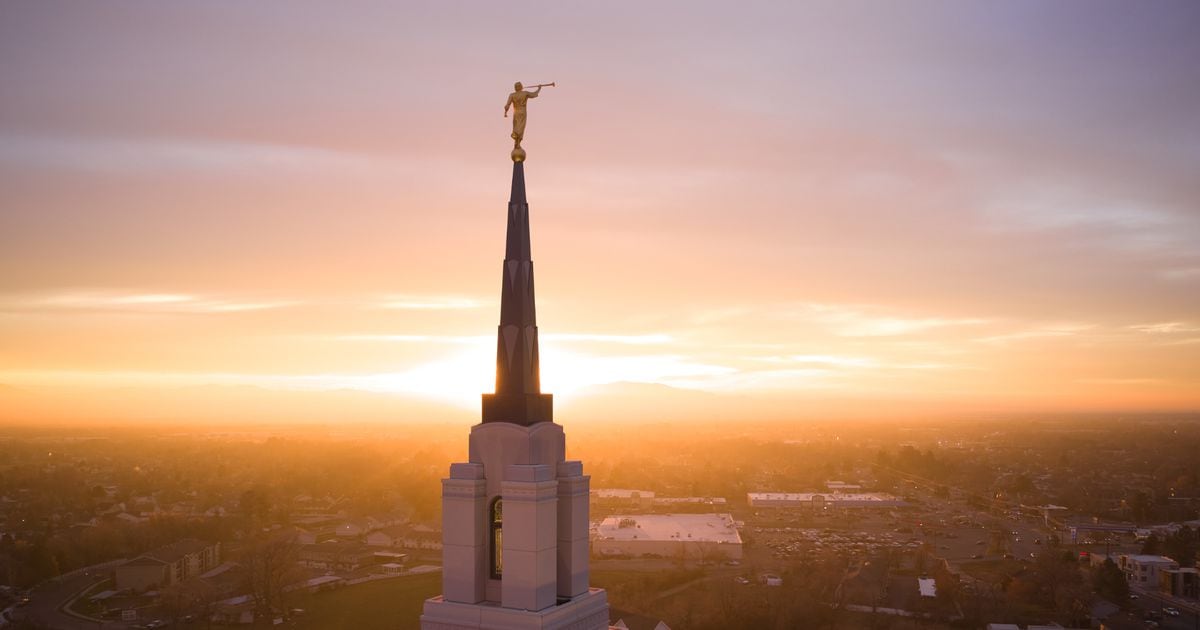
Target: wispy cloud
789,379
853,321
569,371
713,316
1180,273
430,302
846,363
1129,225
635,340
433,339
158,154
1038,332
133,302
1166,328
1051,213
1118,381
457,378
831,360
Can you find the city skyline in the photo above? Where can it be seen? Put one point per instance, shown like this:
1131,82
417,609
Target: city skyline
971,209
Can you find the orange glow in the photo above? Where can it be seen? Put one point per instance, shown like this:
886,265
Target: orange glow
787,221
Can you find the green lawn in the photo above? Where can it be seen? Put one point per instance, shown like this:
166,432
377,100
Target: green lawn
391,604
992,570
395,604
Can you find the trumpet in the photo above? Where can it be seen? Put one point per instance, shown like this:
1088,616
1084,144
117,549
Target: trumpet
541,85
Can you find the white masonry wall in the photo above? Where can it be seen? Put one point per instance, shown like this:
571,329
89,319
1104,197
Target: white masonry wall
573,496
530,578
544,583
464,534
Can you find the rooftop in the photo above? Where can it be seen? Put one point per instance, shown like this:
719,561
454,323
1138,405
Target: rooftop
174,551
323,579
695,527
828,496
392,530
621,493
144,561
336,547
1147,558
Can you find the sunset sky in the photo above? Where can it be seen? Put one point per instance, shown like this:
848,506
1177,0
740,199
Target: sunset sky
287,209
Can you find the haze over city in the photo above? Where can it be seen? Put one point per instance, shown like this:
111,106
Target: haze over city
848,315
288,211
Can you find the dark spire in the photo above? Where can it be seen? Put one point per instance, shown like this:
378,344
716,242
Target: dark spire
518,398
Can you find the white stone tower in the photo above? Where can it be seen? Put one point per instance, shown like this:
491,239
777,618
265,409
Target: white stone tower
515,516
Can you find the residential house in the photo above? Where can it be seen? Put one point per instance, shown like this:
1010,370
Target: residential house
393,536
354,528
340,556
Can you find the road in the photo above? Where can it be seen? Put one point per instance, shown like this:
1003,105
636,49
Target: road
47,600
1188,618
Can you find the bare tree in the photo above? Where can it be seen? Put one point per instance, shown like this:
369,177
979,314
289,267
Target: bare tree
270,563
191,597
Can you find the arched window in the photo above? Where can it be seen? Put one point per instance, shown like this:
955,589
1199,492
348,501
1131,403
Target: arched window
496,521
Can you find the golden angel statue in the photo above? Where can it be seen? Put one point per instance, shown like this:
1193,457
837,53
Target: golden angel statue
517,101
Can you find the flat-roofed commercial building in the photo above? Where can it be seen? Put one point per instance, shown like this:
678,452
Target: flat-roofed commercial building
1143,569
689,501
1182,582
696,536
821,500
622,498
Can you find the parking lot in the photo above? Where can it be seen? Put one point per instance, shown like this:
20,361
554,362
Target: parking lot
951,529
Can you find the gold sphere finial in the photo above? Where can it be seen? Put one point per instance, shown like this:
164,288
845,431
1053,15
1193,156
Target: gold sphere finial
518,154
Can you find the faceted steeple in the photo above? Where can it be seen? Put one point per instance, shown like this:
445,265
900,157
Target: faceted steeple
515,514
518,398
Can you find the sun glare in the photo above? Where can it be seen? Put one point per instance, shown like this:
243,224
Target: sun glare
461,377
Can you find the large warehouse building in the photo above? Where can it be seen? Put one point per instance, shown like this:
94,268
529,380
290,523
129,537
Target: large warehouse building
697,536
